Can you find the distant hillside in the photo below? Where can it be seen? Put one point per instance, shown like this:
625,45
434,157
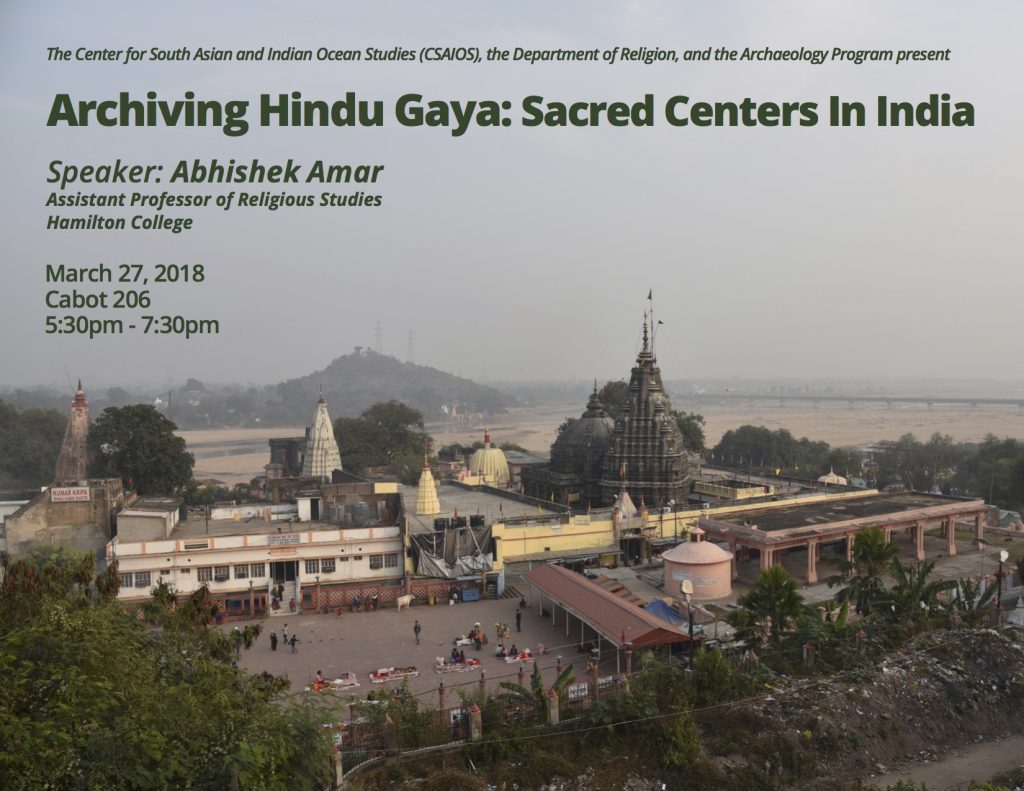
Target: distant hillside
356,381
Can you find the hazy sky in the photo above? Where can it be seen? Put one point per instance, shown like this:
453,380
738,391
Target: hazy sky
528,253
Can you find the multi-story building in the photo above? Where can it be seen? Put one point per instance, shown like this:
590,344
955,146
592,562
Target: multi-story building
354,548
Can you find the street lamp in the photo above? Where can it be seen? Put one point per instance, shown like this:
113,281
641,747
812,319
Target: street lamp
1003,557
686,588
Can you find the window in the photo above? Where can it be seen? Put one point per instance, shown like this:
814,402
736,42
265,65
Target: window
327,565
257,570
357,557
165,572
204,574
344,559
312,566
220,573
376,561
141,579
185,571
126,580
391,561
241,571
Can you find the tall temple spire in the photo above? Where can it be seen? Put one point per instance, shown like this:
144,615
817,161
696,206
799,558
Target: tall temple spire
646,456
322,456
427,503
73,458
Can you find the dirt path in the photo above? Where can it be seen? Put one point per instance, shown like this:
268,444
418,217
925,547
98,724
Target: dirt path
977,762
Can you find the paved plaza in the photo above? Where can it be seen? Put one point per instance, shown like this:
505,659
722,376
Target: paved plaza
364,641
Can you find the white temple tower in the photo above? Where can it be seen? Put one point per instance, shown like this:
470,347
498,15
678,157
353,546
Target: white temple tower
322,455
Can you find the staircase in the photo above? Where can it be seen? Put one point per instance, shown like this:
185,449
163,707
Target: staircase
291,591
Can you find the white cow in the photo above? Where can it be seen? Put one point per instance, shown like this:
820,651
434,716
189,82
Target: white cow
405,601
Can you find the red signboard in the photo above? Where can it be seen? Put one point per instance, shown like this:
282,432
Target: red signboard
69,494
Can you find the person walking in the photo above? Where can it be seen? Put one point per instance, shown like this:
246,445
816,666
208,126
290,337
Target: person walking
292,643
416,629
273,641
284,631
519,620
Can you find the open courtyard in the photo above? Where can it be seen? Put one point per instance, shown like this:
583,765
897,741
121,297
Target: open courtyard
362,642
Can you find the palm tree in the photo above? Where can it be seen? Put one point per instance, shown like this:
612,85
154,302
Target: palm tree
862,576
769,608
970,604
914,595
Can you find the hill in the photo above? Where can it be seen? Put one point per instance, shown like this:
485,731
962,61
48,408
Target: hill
358,380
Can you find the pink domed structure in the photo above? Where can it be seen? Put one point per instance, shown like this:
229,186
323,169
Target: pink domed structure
707,565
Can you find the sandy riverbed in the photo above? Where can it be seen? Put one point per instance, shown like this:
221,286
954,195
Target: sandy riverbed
235,455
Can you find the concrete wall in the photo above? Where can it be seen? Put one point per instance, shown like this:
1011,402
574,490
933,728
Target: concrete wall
710,580
85,526
150,526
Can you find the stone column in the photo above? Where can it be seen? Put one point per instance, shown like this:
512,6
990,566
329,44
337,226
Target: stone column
629,658
979,530
919,539
850,539
476,724
766,558
812,561
732,563
951,535
552,706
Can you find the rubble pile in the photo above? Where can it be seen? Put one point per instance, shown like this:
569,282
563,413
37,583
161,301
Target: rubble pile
944,690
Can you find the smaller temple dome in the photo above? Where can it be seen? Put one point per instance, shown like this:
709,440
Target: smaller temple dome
832,479
579,450
697,552
490,463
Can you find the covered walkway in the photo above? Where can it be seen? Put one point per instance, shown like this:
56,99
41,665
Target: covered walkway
608,618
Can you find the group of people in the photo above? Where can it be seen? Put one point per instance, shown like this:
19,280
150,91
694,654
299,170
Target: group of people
501,653
457,657
291,641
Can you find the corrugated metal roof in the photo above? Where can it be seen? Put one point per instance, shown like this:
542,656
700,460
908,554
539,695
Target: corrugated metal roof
616,620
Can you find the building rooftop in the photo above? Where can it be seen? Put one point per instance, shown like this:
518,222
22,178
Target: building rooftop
867,507
200,528
467,502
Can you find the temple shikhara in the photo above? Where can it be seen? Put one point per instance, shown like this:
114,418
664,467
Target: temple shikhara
322,455
646,456
73,459
641,451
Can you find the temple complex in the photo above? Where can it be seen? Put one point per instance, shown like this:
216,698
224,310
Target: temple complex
73,459
322,455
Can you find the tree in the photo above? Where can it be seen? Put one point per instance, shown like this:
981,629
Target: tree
768,609
917,465
613,396
387,434
94,698
915,595
138,444
30,440
861,577
691,426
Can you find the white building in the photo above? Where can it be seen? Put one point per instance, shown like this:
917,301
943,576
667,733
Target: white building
254,561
